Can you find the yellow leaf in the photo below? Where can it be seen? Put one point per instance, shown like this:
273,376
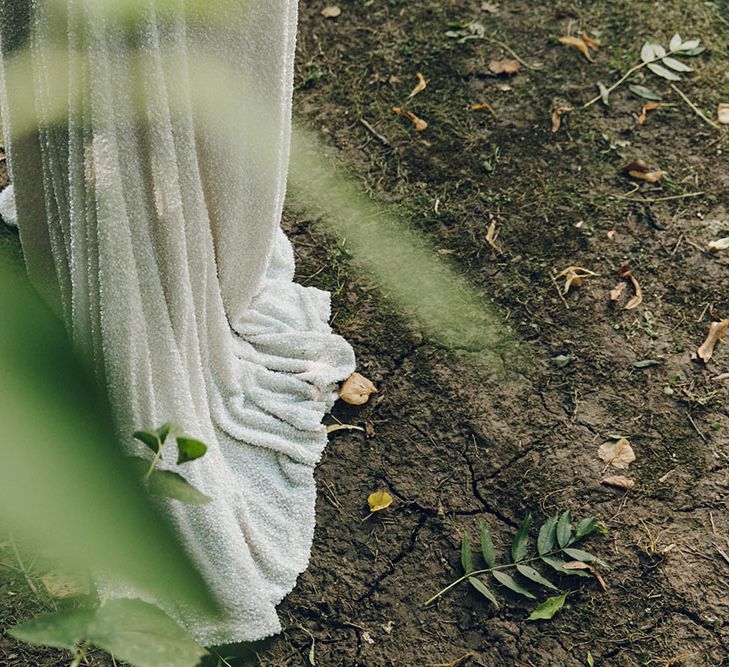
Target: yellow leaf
578,44
379,500
356,389
420,87
419,123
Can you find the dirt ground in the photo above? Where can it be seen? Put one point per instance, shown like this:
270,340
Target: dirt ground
454,442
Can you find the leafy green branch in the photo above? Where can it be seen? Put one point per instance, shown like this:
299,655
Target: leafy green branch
165,482
555,548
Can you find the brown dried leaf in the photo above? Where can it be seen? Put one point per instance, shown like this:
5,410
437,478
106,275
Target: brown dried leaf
618,453
650,106
574,275
356,389
331,12
65,585
647,176
716,333
578,43
637,165
619,481
637,298
507,67
591,43
420,87
617,291
722,114
576,565
419,123
557,117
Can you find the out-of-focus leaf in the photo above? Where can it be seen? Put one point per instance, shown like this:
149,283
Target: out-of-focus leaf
65,487
60,630
647,53
690,45
664,73
548,608
484,590
547,535
164,430
171,485
466,556
695,51
535,576
487,545
189,449
521,539
578,43
511,583
564,528
675,43
645,93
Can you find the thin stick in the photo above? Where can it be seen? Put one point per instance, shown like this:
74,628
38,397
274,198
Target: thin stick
506,47
696,428
667,198
695,109
374,132
559,291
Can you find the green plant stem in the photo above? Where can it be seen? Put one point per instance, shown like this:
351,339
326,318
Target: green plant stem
154,463
485,571
507,48
22,567
625,76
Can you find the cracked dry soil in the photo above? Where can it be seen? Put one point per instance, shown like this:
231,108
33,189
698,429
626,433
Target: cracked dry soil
455,441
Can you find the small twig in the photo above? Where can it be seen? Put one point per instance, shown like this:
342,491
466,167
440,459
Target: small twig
374,132
696,428
21,564
655,199
695,109
559,290
516,56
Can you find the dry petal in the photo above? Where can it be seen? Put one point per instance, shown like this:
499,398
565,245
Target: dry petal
716,333
331,12
722,114
591,43
508,67
490,7
419,123
483,106
637,298
719,244
650,106
617,291
619,454
574,275
356,389
393,79
619,481
557,117
379,500
420,87
578,44
491,235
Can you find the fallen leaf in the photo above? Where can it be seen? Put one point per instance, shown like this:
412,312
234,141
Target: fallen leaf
650,106
419,123
576,565
557,117
483,106
618,454
722,114
507,67
640,170
619,481
393,79
491,235
489,7
716,333
356,389
578,43
617,291
626,273
379,500
331,12
719,244
65,585
574,275
420,87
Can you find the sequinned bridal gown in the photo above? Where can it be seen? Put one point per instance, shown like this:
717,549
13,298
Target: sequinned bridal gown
149,190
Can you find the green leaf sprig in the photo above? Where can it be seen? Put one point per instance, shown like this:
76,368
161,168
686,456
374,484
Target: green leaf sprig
555,548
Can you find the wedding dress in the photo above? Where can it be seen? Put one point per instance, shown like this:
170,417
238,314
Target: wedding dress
155,235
